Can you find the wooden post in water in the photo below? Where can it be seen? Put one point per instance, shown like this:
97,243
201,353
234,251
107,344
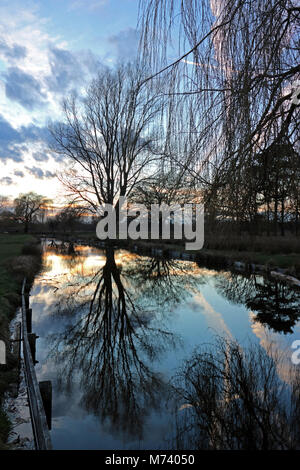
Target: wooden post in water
46,393
26,298
17,342
29,319
32,337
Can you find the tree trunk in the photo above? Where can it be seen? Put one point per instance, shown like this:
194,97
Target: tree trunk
282,217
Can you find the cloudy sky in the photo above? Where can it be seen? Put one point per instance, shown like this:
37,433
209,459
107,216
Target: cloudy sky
47,49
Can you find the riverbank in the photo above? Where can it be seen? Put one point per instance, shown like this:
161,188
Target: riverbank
287,264
271,252
20,256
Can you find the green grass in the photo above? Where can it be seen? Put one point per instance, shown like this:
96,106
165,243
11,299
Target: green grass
290,262
11,245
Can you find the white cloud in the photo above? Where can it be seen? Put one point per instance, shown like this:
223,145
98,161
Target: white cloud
125,43
22,28
38,177
38,68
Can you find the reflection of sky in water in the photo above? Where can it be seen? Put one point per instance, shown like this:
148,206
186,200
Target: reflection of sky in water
200,312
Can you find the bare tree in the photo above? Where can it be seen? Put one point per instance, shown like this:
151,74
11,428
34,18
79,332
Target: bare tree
108,136
27,208
168,187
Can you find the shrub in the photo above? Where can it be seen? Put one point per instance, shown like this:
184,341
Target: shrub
33,249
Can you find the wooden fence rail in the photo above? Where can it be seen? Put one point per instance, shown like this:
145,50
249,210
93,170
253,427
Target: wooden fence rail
38,417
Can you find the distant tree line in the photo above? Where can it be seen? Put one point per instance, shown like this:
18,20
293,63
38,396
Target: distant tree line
34,212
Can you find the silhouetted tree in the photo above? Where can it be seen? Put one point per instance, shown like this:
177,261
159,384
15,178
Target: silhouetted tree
108,136
27,208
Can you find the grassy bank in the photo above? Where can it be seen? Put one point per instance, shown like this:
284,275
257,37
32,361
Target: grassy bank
19,257
281,252
271,252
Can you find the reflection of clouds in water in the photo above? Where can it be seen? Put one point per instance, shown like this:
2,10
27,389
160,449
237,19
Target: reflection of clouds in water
62,404
43,296
65,407
60,271
214,319
57,265
275,343
43,303
297,330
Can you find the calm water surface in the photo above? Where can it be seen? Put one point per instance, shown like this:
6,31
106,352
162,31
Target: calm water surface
115,327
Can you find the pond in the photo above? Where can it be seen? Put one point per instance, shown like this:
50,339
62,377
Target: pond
114,327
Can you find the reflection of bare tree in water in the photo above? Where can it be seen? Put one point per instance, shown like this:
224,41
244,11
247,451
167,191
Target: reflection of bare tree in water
108,345
275,303
237,288
232,398
163,280
72,261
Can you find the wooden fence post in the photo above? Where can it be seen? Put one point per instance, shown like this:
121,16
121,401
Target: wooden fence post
46,393
29,319
32,337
